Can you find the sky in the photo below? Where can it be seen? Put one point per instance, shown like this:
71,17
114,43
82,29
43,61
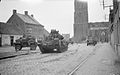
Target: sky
53,14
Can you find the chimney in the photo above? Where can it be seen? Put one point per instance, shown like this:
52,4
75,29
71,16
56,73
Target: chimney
32,15
14,11
26,12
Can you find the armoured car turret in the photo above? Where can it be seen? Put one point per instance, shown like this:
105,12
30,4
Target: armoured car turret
53,43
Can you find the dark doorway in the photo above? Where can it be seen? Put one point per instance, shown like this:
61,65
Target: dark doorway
12,40
0,41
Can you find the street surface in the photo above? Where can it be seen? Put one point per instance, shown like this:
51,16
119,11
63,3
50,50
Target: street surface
103,62
36,63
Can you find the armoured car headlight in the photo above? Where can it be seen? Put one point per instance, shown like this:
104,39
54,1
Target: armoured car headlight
55,49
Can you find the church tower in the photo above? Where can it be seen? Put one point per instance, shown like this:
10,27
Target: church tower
80,21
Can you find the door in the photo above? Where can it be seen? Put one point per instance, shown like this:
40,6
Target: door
0,41
12,40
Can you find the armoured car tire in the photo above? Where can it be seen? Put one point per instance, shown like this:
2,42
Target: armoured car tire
32,47
88,44
18,47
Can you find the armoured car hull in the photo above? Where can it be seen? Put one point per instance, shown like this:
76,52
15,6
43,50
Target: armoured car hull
53,43
53,46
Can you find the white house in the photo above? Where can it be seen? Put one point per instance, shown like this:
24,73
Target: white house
8,34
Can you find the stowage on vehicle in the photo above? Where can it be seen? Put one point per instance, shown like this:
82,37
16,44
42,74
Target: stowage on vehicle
53,43
25,41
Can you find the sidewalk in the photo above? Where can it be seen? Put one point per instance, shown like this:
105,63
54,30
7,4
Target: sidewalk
101,63
9,52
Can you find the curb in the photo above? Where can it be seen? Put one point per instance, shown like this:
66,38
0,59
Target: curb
12,55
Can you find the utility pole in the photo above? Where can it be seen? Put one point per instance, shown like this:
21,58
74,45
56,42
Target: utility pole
106,6
103,4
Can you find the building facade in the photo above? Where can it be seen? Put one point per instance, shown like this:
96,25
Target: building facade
115,26
8,34
28,25
66,36
99,31
80,21
19,25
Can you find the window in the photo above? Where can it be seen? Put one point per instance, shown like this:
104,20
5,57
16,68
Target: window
29,30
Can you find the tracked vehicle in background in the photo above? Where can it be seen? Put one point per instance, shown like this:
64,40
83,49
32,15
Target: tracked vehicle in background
53,43
25,41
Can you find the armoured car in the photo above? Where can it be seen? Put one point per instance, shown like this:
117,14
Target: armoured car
28,41
53,43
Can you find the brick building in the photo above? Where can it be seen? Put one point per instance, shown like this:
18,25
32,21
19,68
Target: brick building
22,24
66,36
99,31
27,24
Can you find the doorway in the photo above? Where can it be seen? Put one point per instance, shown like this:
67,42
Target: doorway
12,40
0,41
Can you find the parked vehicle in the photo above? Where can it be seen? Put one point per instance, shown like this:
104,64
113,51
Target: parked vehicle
53,43
91,42
28,41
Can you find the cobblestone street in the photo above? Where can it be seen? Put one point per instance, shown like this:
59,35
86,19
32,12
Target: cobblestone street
100,63
46,64
103,62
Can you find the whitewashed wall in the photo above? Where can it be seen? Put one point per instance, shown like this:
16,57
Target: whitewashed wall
6,39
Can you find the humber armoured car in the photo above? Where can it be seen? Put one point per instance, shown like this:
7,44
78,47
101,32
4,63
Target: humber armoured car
27,41
53,43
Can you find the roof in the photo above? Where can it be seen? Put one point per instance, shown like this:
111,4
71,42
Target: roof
99,24
45,32
7,28
28,19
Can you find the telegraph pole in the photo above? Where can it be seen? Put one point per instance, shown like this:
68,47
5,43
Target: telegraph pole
106,6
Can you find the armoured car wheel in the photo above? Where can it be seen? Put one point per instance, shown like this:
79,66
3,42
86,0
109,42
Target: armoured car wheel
18,47
32,47
87,44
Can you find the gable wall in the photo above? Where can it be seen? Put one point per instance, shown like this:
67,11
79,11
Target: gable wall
34,30
16,21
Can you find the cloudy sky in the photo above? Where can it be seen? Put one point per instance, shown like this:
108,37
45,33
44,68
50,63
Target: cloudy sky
53,14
